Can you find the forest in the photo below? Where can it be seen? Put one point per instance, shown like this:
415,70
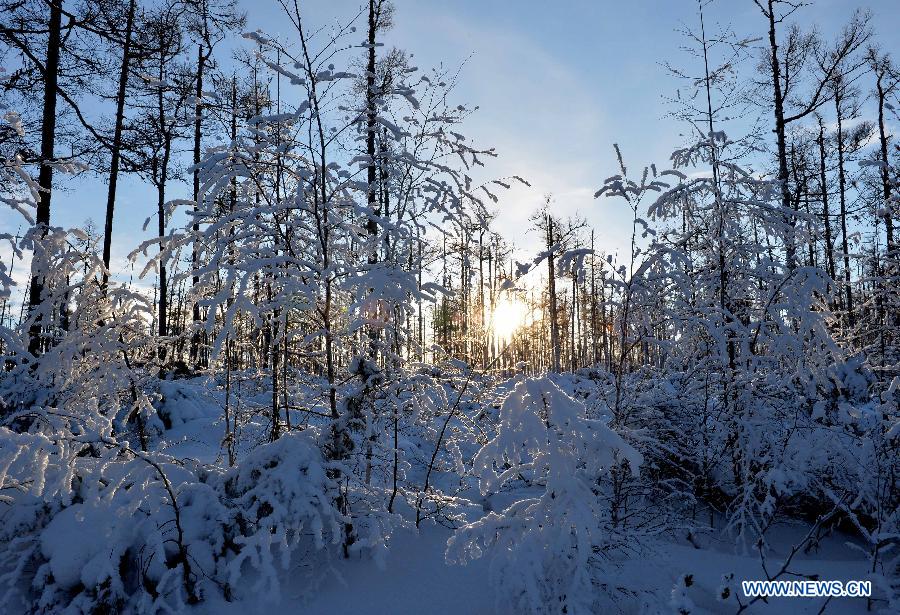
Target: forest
328,380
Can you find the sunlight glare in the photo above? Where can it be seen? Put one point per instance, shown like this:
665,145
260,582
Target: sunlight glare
508,316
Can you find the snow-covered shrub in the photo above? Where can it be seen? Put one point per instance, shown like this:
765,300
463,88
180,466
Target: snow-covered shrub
281,494
91,524
544,544
180,403
389,407
862,482
85,378
680,601
70,365
107,532
36,481
446,412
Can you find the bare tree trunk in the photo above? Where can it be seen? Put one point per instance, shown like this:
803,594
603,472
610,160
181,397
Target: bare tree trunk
842,187
826,214
573,359
276,354
481,305
885,167
36,343
229,428
790,220
421,313
195,263
889,324
551,289
161,219
371,171
395,473
371,118
594,352
117,143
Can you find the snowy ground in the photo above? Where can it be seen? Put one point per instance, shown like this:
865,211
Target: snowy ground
415,574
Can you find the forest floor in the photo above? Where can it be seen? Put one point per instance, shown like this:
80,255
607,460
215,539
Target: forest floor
414,577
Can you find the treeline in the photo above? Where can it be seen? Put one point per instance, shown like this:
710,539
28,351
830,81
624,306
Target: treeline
836,166
172,100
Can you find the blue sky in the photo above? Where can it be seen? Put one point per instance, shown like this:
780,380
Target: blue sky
557,84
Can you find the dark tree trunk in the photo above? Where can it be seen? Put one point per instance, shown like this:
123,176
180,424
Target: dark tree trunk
790,247
45,174
551,289
371,171
117,143
885,168
198,122
842,188
371,117
161,226
826,214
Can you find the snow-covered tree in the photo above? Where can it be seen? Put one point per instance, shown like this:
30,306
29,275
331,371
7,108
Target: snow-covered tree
556,462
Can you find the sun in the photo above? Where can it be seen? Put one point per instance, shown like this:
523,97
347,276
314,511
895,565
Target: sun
508,317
